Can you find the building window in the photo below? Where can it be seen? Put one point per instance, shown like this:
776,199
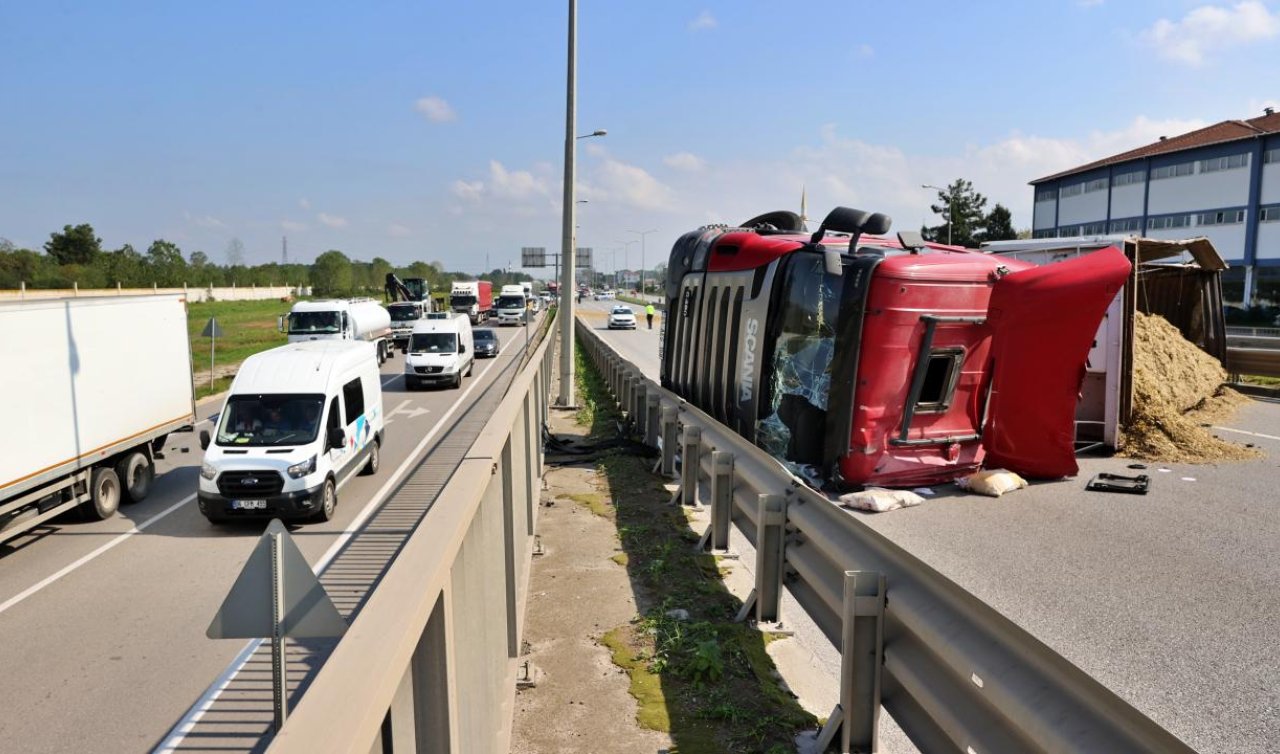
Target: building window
1221,217
1230,162
1067,231
1173,171
1269,214
1132,176
1097,184
1169,221
1074,189
1043,233
1093,229
1271,155
1131,225
1046,194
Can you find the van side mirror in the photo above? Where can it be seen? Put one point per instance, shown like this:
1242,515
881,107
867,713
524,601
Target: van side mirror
336,438
204,439
462,348
280,323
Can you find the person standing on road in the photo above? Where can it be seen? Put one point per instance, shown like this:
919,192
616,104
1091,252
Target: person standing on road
648,314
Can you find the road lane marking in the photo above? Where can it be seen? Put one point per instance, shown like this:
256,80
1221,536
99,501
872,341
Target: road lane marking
393,411
206,701
1246,432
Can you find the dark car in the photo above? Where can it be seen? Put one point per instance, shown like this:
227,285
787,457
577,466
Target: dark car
486,343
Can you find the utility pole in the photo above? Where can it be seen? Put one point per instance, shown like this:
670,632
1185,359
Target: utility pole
566,230
642,234
284,250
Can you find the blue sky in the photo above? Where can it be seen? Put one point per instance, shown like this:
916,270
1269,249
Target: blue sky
434,131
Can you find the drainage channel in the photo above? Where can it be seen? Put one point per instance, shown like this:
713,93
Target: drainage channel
237,715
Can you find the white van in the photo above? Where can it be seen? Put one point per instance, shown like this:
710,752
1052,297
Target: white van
440,352
299,419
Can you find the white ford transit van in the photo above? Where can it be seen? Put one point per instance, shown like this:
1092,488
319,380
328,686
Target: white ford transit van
440,352
299,419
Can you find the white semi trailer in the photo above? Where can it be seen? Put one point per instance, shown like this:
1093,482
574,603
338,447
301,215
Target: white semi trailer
93,386
341,319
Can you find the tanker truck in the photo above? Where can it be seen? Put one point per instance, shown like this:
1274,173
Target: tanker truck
341,319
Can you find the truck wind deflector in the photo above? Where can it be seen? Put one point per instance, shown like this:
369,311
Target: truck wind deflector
855,222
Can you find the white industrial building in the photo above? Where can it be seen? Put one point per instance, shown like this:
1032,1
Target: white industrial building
1221,181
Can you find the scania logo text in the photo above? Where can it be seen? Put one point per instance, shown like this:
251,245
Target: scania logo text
747,388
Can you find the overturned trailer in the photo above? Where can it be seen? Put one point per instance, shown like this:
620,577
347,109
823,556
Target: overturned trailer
1180,280
860,359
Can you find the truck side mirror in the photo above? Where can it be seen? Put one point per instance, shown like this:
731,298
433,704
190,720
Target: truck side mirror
204,439
336,438
280,323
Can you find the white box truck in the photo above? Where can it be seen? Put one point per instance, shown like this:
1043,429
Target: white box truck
92,388
341,319
511,306
298,420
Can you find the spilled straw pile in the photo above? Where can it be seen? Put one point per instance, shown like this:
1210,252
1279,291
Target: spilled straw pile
1176,389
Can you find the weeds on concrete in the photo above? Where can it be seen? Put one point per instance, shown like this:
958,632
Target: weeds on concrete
695,673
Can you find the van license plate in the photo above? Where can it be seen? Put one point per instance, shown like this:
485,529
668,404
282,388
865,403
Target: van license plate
249,505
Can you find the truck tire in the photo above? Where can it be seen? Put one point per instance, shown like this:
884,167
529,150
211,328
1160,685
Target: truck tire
375,459
382,354
328,501
136,472
104,494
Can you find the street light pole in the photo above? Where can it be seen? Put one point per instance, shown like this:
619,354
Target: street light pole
951,207
642,234
566,227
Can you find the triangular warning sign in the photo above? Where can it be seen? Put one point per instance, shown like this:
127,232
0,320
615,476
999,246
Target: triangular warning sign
247,612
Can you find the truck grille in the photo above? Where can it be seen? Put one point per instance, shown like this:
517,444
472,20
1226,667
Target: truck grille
250,484
428,370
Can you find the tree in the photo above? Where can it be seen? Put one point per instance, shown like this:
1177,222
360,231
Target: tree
168,268
199,259
235,253
998,225
331,274
76,245
961,210
378,270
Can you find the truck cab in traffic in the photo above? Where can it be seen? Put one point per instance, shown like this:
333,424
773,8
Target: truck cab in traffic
404,315
341,319
299,419
441,352
512,303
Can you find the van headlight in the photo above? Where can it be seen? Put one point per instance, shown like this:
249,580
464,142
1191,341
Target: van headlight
299,470
208,471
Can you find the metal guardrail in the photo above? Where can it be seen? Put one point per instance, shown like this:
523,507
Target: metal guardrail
955,674
1259,362
430,663
1252,332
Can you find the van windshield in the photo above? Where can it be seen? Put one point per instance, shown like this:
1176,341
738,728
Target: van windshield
315,322
270,420
433,342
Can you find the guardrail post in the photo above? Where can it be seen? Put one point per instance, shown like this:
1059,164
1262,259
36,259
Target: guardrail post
668,441
856,718
766,598
638,415
721,498
690,457
653,408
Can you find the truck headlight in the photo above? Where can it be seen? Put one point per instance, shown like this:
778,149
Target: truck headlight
299,470
208,471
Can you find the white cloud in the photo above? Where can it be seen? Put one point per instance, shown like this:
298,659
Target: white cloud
292,226
686,161
333,221
631,186
704,21
304,204
435,109
469,190
396,230
1211,27
595,149
515,184
203,221
866,51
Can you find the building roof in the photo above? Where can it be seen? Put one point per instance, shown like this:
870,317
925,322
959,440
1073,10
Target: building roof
1218,133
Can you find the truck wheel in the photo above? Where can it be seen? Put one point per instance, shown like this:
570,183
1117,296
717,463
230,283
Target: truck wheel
104,494
328,501
382,354
375,459
136,473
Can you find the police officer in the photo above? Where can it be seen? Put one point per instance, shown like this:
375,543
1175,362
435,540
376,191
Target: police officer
648,314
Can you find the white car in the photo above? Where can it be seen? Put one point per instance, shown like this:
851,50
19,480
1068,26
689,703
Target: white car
622,318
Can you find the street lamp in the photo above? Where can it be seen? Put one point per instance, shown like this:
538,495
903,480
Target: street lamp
626,252
951,207
567,239
642,234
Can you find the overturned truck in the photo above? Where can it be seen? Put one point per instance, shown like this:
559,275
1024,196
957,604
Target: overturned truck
860,359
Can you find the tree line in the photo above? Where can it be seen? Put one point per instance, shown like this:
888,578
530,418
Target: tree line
75,257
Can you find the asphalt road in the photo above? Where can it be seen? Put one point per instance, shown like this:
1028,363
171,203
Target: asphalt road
104,623
1171,600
